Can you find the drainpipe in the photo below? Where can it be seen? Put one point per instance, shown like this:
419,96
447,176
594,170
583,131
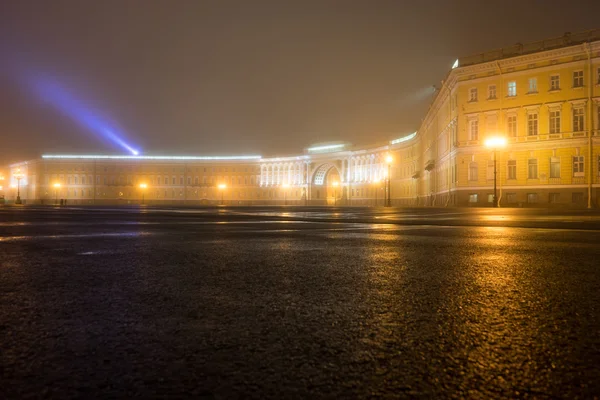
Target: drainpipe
588,50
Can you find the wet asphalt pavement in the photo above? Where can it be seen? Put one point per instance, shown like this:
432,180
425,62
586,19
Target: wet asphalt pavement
288,303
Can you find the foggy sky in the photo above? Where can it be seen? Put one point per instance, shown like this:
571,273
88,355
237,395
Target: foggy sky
246,77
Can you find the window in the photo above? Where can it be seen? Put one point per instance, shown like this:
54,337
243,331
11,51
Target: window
578,119
532,198
578,165
473,171
511,198
555,82
511,172
532,124
554,121
532,168
512,89
598,165
492,92
533,85
511,123
474,129
577,79
490,198
473,198
554,198
577,197
490,170
473,94
173,181
598,75
554,167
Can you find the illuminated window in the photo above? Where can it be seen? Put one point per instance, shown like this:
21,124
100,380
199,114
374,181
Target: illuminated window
511,198
532,124
473,129
473,94
554,167
555,82
491,92
473,171
473,198
532,198
533,85
578,166
532,168
511,122
511,89
578,115
554,121
511,172
577,79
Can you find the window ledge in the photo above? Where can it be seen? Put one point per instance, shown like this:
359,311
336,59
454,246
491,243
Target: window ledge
578,87
491,98
472,101
532,93
554,90
508,96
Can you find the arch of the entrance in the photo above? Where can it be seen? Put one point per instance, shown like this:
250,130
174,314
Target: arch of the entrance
326,183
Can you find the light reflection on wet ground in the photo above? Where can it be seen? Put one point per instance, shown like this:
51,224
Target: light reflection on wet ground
295,304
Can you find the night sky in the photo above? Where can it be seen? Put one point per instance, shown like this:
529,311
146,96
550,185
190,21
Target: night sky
242,77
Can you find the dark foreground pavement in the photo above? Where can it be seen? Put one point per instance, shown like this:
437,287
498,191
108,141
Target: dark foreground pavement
299,303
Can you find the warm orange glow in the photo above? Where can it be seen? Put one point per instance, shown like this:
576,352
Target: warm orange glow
56,185
336,184
143,185
377,181
285,185
495,142
222,186
389,159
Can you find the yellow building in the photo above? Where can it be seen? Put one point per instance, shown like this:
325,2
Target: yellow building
543,97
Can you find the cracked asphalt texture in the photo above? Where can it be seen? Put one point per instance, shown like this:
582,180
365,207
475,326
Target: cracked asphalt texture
293,302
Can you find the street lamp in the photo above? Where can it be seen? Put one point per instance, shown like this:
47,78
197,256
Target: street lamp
222,188
335,186
18,176
285,187
56,187
389,159
495,143
143,187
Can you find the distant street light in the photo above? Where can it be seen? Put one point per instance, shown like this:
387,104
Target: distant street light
285,187
18,176
335,186
495,143
56,188
143,187
389,160
222,188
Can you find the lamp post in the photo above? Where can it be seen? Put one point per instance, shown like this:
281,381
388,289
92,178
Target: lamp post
56,187
389,159
495,142
18,176
285,187
143,187
222,188
335,186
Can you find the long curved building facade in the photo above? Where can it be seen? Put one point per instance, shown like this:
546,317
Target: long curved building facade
542,97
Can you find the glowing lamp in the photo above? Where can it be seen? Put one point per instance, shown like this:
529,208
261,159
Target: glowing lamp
495,142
